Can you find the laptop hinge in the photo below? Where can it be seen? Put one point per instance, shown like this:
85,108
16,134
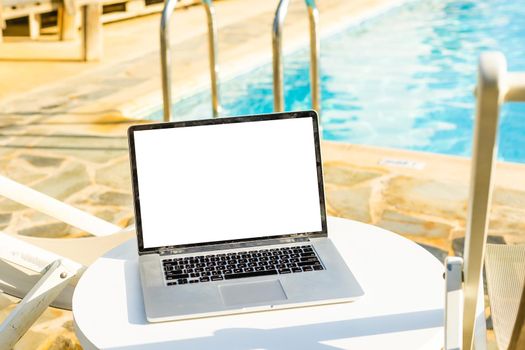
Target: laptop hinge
231,245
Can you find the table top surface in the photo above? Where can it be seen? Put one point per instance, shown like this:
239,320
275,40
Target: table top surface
402,307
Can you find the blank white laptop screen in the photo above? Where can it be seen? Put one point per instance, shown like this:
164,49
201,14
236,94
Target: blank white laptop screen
228,181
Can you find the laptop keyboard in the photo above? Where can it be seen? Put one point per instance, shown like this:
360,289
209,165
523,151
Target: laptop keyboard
217,267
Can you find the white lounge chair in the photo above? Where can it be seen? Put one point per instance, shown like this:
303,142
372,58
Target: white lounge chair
45,271
85,44
505,265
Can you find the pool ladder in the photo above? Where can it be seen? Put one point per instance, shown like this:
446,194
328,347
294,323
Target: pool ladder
165,57
280,15
278,90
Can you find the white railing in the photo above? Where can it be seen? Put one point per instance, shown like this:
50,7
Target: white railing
495,87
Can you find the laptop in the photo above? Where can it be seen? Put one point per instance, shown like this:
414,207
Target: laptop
230,217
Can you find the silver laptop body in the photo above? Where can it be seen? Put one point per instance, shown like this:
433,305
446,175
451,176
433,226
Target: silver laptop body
230,217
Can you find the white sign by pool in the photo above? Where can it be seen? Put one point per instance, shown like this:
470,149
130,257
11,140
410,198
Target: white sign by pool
402,163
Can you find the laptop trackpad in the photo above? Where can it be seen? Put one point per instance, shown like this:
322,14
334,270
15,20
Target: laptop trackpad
252,292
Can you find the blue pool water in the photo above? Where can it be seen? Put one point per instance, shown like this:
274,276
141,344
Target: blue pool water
403,79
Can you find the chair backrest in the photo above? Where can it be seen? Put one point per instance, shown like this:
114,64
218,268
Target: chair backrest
495,86
45,271
505,271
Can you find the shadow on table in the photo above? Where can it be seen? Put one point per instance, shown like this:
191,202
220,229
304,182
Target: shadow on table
305,336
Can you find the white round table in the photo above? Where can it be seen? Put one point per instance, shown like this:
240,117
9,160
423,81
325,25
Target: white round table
402,307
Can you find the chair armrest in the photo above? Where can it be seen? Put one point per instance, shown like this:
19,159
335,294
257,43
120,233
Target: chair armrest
64,212
453,303
55,278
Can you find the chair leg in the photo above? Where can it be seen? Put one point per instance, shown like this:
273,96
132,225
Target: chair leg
54,280
67,25
92,31
2,23
34,25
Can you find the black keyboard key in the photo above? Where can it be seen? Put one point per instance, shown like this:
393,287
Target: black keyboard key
194,281
317,267
195,274
296,269
182,281
204,279
307,268
308,263
308,258
178,276
250,274
172,283
174,273
217,278
282,271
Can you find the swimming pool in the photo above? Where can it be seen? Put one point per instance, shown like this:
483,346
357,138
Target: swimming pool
403,79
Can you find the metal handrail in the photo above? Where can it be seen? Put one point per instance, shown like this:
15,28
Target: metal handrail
165,58
212,51
313,18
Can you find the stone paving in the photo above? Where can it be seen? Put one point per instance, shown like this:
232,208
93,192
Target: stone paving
67,139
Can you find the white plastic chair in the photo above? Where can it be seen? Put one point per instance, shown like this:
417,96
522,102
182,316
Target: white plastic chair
45,271
464,316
